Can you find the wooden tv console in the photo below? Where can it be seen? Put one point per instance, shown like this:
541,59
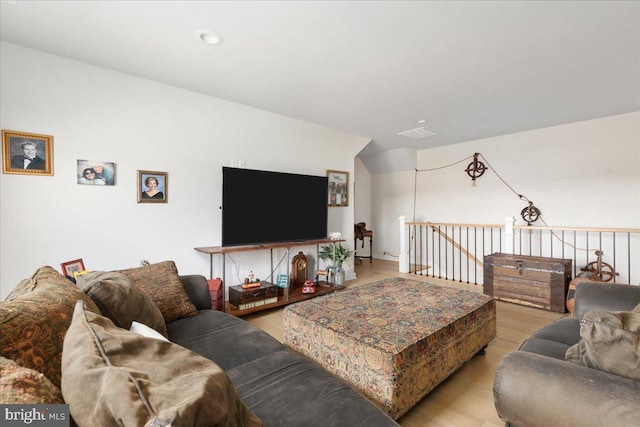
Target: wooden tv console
289,295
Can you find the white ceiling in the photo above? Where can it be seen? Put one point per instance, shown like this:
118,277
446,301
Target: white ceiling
472,69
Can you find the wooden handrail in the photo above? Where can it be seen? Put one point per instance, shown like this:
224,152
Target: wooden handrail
529,227
457,245
454,224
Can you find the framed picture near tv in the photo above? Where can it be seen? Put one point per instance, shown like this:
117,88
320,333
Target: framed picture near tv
267,207
338,188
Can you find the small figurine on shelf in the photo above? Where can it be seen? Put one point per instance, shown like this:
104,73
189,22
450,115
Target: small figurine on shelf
251,281
308,287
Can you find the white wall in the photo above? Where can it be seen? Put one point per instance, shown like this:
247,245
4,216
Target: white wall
362,201
97,114
579,174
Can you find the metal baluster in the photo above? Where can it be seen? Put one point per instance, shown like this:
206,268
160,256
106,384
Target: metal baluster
453,253
446,258
439,255
600,249
460,253
614,257
587,252
420,246
629,256
575,256
426,251
433,253
520,230
409,240
467,255
540,245
475,255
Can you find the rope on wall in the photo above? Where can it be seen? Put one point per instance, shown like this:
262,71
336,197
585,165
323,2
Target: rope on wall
520,196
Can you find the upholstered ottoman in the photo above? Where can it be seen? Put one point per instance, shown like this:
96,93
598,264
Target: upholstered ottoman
394,340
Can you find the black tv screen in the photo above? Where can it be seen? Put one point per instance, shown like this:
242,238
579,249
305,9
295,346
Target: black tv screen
266,207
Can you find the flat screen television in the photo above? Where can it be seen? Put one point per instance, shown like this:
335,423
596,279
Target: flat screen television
267,207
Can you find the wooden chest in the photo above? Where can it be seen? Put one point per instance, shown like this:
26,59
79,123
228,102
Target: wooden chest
528,280
243,297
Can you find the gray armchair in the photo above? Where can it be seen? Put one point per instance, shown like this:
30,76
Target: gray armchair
534,386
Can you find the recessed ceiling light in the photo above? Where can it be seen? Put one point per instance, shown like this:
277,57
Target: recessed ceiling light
209,37
421,121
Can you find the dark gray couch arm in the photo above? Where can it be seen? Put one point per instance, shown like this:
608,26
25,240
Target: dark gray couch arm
198,291
535,390
605,296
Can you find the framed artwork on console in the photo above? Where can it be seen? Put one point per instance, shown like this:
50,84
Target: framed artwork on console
26,153
152,187
338,188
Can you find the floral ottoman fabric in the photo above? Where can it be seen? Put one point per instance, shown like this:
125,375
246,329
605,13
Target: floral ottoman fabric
395,340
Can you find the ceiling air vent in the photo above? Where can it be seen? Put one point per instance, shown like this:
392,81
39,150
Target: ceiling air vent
417,133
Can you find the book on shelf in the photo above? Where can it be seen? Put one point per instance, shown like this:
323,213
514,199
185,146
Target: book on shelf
258,303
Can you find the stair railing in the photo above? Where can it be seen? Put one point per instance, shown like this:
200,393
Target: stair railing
455,251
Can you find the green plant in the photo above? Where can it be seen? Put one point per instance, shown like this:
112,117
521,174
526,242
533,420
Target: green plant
337,254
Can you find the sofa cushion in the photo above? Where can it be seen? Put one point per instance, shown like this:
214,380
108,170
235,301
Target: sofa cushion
114,376
565,330
162,284
20,385
34,319
610,342
545,347
227,340
120,300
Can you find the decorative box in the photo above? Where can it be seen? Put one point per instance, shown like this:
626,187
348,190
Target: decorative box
244,297
528,280
215,291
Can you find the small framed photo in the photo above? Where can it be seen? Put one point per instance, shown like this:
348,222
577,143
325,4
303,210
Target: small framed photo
96,172
152,187
338,188
27,153
72,268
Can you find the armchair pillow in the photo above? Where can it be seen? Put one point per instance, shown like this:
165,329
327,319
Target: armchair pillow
610,342
113,376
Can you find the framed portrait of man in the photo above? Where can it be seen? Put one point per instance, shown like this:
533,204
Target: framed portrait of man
27,153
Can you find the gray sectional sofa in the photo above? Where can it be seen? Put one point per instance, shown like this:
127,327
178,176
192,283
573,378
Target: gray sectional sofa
75,344
282,387
536,386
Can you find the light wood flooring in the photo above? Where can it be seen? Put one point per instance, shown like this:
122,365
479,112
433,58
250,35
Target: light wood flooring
466,397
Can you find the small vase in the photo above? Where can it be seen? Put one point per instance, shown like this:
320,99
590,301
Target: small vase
338,277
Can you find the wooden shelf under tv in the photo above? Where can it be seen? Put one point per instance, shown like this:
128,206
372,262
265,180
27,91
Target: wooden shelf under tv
295,295
290,296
